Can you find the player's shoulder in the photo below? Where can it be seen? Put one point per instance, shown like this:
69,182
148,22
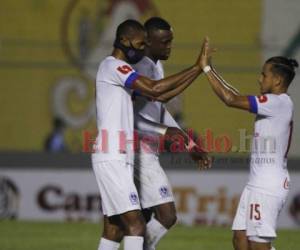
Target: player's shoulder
287,101
281,98
282,101
111,62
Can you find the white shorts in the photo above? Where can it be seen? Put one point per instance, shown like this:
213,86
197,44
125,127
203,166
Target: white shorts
117,188
257,213
152,182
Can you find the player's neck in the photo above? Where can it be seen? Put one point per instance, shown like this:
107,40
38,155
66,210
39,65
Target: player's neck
279,91
148,54
117,53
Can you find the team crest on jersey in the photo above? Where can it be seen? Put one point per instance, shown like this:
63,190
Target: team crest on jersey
164,192
133,198
262,98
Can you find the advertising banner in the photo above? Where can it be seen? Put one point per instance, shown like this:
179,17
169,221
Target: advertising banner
204,198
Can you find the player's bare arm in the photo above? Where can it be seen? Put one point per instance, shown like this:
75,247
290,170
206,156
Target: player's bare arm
174,92
167,88
155,89
229,95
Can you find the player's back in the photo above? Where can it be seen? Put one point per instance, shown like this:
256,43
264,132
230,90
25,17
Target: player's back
271,142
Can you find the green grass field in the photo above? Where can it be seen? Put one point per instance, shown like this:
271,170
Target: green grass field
85,236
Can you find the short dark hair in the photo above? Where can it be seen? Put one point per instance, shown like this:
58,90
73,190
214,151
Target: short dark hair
126,27
284,67
156,23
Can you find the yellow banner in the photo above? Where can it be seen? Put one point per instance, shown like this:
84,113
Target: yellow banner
50,50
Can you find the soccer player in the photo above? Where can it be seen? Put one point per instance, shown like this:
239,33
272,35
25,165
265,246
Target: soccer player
150,118
254,226
114,154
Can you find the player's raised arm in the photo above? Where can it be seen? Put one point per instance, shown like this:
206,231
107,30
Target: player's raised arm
166,88
129,47
155,89
229,95
176,91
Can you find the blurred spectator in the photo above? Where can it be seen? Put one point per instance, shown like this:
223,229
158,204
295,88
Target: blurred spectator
55,141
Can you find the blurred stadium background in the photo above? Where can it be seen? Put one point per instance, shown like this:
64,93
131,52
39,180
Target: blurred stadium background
49,54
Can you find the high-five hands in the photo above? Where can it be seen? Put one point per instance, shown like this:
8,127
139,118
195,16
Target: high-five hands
205,55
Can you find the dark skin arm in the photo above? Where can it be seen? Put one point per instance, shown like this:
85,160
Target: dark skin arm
157,89
174,92
229,95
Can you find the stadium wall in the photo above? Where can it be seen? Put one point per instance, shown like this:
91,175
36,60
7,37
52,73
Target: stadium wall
64,188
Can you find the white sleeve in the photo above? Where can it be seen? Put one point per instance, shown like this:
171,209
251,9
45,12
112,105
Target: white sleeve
120,73
147,126
267,105
169,120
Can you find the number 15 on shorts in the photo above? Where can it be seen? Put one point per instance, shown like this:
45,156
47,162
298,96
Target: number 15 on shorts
255,211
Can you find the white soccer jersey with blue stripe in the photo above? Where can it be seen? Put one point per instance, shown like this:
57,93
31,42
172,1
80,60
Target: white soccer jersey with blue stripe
271,142
114,111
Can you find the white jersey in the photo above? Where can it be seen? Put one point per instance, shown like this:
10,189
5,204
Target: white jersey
114,111
271,142
150,110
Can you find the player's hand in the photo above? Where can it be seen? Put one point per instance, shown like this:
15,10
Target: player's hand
206,53
203,160
198,155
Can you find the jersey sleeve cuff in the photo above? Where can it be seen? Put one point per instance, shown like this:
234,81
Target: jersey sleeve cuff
131,79
253,104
